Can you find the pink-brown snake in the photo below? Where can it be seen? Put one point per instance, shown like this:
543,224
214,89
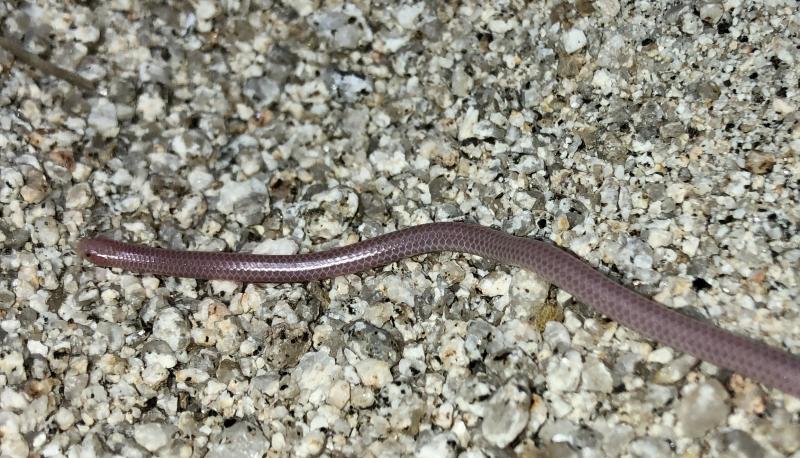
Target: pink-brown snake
763,363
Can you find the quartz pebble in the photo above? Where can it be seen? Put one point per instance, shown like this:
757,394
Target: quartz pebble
506,414
573,40
702,408
104,118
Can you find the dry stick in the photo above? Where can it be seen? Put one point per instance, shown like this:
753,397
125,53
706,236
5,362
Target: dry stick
35,61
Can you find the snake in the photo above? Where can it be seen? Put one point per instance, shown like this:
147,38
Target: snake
769,365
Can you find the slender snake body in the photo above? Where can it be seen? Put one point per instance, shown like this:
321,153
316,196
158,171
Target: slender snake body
763,363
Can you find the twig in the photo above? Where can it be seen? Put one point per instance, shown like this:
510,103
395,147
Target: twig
35,61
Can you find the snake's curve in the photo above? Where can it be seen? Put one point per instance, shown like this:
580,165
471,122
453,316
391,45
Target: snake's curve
769,365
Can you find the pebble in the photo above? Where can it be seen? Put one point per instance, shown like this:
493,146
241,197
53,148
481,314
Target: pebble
152,436
234,193
314,375
507,414
374,373
597,377
171,327
573,40
47,231
675,370
312,444
702,407
443,445
285,344
711,12
564,372
241,440
150,107
80,196
35,188
328,212
103,118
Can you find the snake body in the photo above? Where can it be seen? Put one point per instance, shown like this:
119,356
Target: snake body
766,364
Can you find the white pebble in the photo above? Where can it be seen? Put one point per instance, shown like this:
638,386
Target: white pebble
659,238
151,436
408,15
603,81
304,7
466,128
47,231
150,107
711,12
339,394
374,373
312,444
205,9
506,414
276,247
702,408
501,26
495,284
64,418
104,118
438,446
608,8
79,196
564,372
596,377
391,162
233,192
573,40
12,400
200,179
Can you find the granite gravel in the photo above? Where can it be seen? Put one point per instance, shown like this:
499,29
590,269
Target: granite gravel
660,141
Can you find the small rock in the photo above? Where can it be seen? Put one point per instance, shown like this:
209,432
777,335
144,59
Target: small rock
469,120
659,238
703,407
608,8
35,188
711,12
104,118
312,444
408,15
374,373
604,81
441,445
507,414
573,40
651,447
242,440
304,7
285,343
675,370
152,436
368,341
64,418
276,247
171,327
80,196
339,394
46,230
236,192
736,443
150,107
564,372
596,377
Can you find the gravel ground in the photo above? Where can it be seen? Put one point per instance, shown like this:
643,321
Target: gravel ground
658,141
